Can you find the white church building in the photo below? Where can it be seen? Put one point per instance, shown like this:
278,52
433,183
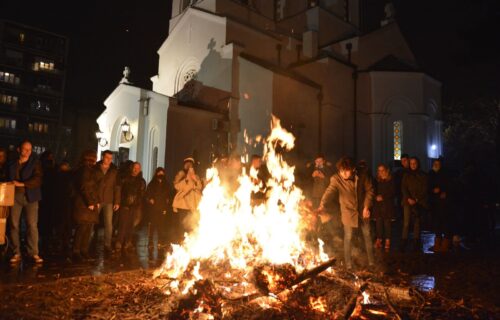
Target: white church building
341,78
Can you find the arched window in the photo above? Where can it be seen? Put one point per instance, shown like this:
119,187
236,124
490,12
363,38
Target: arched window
397,128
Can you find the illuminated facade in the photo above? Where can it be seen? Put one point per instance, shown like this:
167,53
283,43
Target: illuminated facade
338,73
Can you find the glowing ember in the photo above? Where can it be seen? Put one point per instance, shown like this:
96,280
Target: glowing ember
377,312
232,230
318,304
366,298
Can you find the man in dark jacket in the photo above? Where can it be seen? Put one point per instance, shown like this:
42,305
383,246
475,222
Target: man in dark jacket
109,193
321,173
133,188
355,194
398,180
26,173
415,201
438,190
86,206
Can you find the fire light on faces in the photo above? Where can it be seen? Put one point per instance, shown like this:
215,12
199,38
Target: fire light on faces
232,230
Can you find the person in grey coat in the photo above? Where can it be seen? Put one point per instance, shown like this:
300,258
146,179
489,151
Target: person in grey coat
355,194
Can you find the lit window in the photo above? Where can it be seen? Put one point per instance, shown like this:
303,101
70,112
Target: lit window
21,37
8,100
6,123
397,129
9,77
38,127
42,64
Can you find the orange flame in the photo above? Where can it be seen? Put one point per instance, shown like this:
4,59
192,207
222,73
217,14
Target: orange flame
231,229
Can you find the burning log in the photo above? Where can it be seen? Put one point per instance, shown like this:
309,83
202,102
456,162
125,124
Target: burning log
315,271
280,278
274,279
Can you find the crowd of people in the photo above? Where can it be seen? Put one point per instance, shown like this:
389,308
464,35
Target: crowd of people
406,193
74,203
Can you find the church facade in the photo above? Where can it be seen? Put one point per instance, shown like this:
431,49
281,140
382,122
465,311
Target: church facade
343,82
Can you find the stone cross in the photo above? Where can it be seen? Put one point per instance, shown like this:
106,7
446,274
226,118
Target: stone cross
126,74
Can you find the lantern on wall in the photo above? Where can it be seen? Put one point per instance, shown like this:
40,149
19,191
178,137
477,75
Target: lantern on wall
127,134
100,138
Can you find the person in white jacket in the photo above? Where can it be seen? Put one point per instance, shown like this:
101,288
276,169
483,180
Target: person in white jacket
188,186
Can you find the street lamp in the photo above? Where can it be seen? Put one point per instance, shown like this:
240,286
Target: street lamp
127,135
100,138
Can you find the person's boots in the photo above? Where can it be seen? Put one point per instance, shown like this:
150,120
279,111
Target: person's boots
437,244
445,245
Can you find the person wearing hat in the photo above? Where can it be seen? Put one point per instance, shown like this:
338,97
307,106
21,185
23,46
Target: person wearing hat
188,186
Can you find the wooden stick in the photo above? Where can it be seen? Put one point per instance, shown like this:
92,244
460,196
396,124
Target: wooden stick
388,301
314,271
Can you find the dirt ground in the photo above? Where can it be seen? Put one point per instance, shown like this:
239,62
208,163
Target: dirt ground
467,280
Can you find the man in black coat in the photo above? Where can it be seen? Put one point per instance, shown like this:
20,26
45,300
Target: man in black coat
438,191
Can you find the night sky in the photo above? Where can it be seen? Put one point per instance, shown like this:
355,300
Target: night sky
456,41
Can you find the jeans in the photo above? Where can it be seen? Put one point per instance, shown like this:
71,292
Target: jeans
365,228
107,210
411,213
31,209
383,228
82,238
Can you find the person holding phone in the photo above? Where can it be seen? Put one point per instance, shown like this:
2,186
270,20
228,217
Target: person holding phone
188,186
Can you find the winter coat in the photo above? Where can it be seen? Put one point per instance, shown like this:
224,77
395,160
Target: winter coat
384,209
415,186
109,184
86,194
319,185
398,180
31,175
353,194
64,185
159,192
437,180
132,191
188,194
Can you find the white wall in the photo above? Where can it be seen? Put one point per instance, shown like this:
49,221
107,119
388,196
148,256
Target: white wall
129,103
196,43
256,101
402,96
